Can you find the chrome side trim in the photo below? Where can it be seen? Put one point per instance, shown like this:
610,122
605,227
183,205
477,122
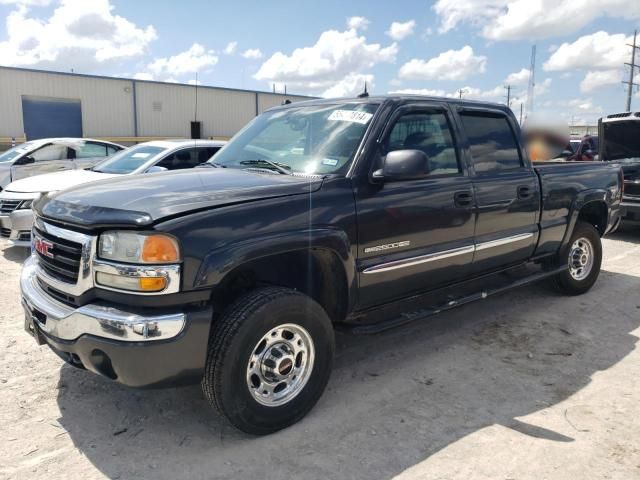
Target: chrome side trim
432,257
409,262
503,241
170,272
68,323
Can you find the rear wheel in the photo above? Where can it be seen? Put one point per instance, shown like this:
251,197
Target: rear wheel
583,258
269,360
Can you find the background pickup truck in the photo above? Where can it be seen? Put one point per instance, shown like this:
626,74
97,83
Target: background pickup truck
620,142
363,214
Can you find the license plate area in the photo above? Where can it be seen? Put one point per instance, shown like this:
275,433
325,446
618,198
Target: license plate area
30,324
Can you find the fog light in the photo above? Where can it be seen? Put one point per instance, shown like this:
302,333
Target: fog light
135,284
152,284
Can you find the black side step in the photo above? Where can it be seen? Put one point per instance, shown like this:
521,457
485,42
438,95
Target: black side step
420,313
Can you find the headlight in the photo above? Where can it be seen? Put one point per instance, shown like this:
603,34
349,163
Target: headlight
133,247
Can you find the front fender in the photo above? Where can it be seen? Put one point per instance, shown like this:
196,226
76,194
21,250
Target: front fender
220,261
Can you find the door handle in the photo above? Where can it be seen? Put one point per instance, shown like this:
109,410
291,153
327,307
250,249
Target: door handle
524,191
463,199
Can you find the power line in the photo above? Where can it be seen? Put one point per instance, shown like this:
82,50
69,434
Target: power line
632,68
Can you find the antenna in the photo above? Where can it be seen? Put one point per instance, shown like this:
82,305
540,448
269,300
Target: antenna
532,81
364,94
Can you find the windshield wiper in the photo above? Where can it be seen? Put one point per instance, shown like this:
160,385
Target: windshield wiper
280,167
210,165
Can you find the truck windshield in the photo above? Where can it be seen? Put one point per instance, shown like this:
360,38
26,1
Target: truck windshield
316,139
128,160
15,152
621,140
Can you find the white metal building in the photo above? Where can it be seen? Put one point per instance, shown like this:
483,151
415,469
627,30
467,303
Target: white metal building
37,104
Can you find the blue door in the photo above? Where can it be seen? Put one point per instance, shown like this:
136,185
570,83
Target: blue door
47,117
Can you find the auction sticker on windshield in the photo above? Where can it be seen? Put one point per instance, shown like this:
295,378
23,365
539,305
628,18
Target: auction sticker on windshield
351,116
140,155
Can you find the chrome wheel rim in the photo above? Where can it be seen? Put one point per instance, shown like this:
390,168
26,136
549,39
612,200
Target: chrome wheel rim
580,259
280,365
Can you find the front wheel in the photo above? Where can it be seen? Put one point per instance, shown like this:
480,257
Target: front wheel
583,258
269,359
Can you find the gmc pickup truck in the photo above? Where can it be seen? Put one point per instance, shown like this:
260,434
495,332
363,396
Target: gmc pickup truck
361,214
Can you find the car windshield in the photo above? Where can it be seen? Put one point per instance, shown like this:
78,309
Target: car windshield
317,139
128,160
15,152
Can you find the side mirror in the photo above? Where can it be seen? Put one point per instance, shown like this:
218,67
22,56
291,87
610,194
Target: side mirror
24,160
403,165
156,169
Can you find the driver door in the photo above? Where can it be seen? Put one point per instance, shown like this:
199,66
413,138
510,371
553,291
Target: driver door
48,158
415,235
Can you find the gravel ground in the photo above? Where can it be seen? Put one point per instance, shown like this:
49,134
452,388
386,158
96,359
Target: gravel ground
526,385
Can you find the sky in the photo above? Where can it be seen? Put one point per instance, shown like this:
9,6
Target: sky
331,48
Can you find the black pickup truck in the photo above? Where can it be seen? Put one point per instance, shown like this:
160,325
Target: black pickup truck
360,214
619,135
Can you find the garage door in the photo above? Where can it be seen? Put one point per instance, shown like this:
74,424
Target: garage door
46,117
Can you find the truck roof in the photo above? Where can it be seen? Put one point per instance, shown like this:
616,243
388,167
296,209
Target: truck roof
397,98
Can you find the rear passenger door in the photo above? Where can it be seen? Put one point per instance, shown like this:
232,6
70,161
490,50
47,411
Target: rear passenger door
506,190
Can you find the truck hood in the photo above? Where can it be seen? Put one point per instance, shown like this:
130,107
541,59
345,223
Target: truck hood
143,200
53,182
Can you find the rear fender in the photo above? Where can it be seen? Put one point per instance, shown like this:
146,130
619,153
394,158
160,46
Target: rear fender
581,200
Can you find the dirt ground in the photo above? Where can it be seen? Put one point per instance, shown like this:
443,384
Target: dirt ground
526,385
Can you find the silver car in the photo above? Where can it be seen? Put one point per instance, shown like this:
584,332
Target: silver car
51,155
16,217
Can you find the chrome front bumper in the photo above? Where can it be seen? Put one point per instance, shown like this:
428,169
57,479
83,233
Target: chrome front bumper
67,323
17,222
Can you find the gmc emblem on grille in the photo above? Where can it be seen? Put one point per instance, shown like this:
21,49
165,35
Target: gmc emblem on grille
43,247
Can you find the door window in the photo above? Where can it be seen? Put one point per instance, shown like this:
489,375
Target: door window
50,152
492,143
91,150
431,133
186,158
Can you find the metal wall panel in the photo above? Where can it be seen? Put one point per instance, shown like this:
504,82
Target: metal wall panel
167,110
267,101
107,105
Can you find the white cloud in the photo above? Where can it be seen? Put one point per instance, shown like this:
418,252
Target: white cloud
449,65
78,34
518,78
252,54
350,86
333,58
401,30
428,92
520,19
231,47
358,23
194,59
598,51
143,76
597,79
26,3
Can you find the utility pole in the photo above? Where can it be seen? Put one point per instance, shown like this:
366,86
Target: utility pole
508,88
632,69
461,92
531,89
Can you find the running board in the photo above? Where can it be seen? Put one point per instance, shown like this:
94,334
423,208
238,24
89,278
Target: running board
421,313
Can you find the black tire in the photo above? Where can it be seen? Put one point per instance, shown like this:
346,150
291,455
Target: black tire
575,284
235,336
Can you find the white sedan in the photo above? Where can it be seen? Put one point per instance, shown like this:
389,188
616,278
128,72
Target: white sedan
16,217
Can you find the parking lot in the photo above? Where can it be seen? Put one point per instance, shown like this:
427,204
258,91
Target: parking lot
529,384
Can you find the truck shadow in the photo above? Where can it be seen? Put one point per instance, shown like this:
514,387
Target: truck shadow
626,232
394,398
14,254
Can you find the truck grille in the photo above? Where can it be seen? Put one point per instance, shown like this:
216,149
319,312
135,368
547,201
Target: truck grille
8,206
632,189
5,232
63,259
